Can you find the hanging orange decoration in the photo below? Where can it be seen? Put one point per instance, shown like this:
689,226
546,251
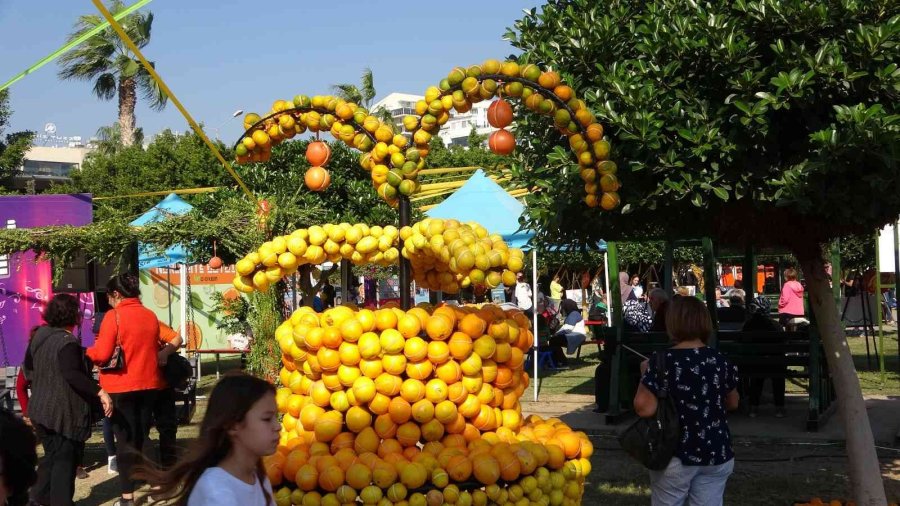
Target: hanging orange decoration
317,179
502,142
318,153
500,114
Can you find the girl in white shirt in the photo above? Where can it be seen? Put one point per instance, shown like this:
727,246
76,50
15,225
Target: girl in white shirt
224,467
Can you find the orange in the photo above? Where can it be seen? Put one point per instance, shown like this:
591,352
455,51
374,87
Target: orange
516,358
423,411
408,434
556,456
412,390
366,441
385,427
503,353
385,319
349,353
449,312
332,337
504,377
351,330
436,390
388,384
307,477
358,476
328,426
380,404
331,477
292,464
449,372
329,359
392,341
499,330
389,447
294,405
486,470
313,339
358,419
471,365
409,325
371,368
400,410
489,370
571,444
485,346
459,468
438,352
384,475
433,430
457,426
509,465
413,475
369,345
394,363
320,394
457,393
309,414
366,318
364,389
419,370
472,325
460,346
415,349
445,412
438,327
471,407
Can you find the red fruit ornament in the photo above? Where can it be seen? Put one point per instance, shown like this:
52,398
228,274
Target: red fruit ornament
500,114
263,208
318,153
502,142
215,263
317,179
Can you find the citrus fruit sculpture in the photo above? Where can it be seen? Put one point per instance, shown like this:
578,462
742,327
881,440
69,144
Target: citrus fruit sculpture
445,255
416,408
394,159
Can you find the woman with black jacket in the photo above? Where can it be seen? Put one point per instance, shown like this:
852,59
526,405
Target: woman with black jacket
62,393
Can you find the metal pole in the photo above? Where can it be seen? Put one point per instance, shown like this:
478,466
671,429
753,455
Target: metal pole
878,312
534,317
405,281
896,280
608,300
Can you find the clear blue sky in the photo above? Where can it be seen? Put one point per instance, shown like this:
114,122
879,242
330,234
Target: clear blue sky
222,55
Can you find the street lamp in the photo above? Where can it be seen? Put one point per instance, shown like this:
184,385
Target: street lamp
235,114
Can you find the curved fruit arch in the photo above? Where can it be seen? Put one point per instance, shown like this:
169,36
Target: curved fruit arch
417,407
445,255
394,164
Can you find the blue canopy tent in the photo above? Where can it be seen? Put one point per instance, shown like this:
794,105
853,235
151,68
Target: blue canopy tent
484,201
172,205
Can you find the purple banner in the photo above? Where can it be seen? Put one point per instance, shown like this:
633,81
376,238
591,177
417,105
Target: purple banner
25,285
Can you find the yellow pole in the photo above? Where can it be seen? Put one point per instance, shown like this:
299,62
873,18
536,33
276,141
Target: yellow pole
447,170
186,191
162,84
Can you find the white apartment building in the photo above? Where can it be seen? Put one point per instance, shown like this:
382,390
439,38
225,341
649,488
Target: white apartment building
44,165
455,132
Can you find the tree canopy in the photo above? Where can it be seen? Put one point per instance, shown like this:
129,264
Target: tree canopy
14,145
731,117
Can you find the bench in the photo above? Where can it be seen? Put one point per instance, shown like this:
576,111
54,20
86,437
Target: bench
747,350
597,331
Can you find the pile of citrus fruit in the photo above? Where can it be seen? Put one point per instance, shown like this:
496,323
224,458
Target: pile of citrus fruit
416,408
445,254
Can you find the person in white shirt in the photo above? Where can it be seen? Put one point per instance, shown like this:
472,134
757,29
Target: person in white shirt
636,287
524,295
224,467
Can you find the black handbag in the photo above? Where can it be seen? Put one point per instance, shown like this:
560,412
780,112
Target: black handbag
117,360
177,371
653,441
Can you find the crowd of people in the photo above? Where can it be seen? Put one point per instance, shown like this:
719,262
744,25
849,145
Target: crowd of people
61,401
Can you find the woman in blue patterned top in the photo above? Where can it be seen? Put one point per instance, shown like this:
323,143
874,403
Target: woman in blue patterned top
703,384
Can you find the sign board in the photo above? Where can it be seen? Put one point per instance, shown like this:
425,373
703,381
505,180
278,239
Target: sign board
25,285
161,293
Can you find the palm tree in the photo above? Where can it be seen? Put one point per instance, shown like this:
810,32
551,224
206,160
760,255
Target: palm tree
363,95
109,138
115,70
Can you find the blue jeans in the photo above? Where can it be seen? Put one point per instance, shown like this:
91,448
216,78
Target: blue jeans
679,484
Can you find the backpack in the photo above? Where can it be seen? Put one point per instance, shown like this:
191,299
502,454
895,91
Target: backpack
653,441
597,312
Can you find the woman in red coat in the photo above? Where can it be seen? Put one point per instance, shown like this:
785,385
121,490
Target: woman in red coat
134,386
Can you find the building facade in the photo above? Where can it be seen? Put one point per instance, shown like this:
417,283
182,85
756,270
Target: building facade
45,165
455,132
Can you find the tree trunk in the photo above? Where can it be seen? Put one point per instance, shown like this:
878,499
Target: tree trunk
127,102
865,472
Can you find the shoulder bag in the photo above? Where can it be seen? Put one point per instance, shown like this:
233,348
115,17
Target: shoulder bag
653,441
117,360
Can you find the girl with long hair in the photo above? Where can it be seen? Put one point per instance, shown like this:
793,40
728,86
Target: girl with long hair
224,465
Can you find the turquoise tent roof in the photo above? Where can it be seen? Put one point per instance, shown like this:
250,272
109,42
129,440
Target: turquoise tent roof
172,205
482,200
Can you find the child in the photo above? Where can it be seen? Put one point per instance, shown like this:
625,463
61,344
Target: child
224,466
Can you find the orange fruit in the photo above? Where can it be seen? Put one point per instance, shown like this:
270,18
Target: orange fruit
459,468
438,327
371,368
366,441
307,477
399,410
485,347
366,319
457,426
488,370
436,390
369,345
394,363
392,341
388,384
457,393
384,475
409,325
472,325
358,476
320,394
332,337
328,426
364,389
445,412
423,411
349,353
358,419
313,339
415,349
449,372
294,405
309,414
385,319
329,359
460,346
412,390
380,404
331,477
438,352
408,434
419,370
486,469
351,330
385,427
571,444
